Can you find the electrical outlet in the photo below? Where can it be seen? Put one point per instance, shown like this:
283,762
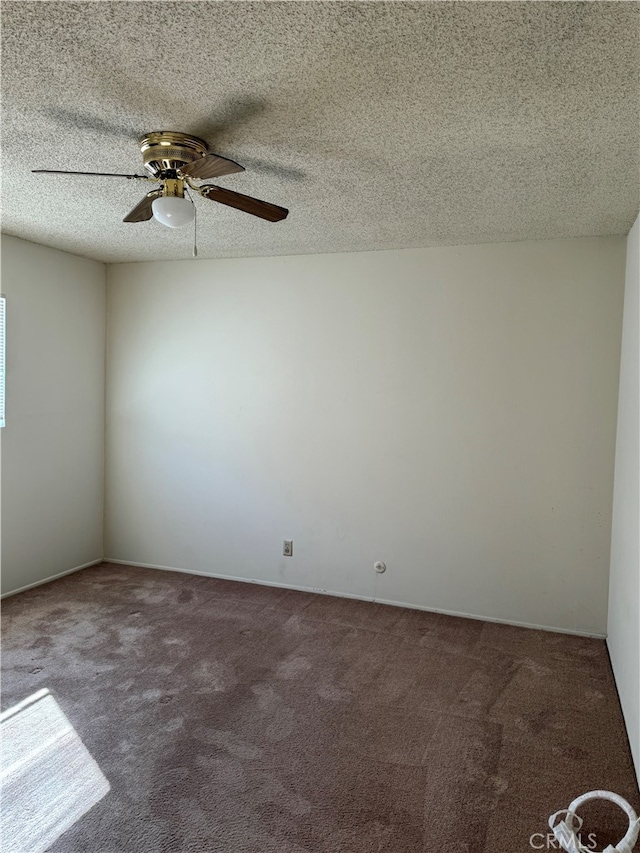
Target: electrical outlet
287,548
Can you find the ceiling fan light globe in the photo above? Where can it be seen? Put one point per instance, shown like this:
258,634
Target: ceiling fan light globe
173,211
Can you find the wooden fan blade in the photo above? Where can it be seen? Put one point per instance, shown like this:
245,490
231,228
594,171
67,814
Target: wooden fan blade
143,211
99,174
211,166
245,202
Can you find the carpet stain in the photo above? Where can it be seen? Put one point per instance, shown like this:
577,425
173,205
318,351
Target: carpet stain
293,667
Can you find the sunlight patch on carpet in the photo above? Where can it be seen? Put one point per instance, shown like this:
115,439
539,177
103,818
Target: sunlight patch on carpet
49,779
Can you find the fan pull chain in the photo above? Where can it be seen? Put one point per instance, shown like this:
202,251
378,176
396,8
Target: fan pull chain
195,232
195,224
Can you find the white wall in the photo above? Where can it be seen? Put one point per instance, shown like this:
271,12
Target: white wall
53,443
624,590
450,411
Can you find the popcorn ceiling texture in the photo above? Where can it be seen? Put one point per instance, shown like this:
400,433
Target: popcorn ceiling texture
379,125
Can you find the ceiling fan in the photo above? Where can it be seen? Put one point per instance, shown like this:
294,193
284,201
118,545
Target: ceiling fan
177,160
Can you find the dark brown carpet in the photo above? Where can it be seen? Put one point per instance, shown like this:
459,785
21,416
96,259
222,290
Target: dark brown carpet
234,718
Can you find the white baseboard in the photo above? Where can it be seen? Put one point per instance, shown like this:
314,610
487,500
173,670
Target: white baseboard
551,628
51,578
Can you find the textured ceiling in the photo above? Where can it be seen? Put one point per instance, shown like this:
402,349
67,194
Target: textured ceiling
379,125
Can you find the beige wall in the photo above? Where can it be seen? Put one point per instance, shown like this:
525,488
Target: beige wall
450,411
624,591
53,442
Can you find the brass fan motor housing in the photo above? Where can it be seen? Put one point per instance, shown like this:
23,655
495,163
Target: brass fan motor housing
164,150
